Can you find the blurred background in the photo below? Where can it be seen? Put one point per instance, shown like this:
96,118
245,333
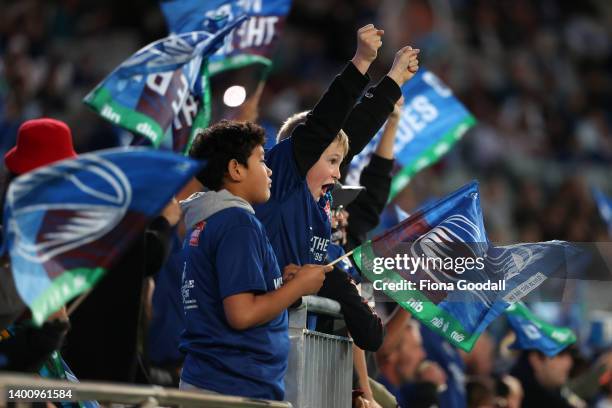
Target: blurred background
535,74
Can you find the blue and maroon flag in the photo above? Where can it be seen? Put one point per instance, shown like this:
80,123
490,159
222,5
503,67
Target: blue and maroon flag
161,92
253,42
68,223
439,265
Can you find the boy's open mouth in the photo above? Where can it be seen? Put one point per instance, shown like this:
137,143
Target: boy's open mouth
326,187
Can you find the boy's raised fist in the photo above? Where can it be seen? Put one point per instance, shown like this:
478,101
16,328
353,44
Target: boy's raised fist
369,40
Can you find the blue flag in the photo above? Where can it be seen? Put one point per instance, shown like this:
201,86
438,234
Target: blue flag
604,205
253,42
533,333
68,223
439,265
160,93
432,121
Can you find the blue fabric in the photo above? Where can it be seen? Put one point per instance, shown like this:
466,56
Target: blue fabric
232,255
533,333
158,93
69,222
440,351
167,322
430,113
257,36
298,227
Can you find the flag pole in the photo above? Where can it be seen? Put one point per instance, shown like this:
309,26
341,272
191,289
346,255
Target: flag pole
341,258
77,302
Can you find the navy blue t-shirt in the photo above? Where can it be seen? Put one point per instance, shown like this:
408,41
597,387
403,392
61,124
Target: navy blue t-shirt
167,321
298,226
228,254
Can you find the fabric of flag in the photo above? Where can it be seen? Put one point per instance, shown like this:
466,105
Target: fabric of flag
444,249
253,42
533,333
432,121
604,205
161,92
68,223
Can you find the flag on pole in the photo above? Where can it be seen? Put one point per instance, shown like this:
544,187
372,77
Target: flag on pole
253,42
533,333
439,265
161,92
68,223
432,121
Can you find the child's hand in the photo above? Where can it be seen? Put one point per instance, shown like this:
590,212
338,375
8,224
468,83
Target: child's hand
311,278
405,65
368,42
289,272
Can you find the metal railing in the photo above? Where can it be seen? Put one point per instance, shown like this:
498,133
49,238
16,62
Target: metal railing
320,370
107,393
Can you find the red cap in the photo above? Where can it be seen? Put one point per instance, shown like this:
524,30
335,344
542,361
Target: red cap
39,142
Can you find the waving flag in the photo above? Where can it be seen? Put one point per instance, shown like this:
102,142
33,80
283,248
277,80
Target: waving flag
604,205
161,92
66,224
253,42
432,121
439,265
533,333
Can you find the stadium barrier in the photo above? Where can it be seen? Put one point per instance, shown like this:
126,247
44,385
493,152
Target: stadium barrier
320,371
107,393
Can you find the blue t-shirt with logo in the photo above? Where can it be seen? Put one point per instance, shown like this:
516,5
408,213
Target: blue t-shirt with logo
225,255
298,226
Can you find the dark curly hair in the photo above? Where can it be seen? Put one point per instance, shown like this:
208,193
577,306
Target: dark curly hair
222,142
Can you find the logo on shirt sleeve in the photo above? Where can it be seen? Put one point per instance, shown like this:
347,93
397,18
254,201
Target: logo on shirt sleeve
194,239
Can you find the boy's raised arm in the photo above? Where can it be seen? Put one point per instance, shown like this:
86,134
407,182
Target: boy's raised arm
329,115
374,108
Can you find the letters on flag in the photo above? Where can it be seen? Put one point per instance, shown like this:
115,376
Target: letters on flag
68,223
432,121
160,93
439,265
253,42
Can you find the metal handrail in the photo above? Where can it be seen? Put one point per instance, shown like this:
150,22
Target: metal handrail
149,396
321,305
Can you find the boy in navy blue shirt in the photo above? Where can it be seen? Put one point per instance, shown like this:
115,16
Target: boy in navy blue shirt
236,334
307,164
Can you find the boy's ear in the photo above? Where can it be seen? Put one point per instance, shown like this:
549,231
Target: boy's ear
235,170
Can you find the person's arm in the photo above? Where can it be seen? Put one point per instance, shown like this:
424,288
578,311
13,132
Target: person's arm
329,115
360,366
158,237
363,324
394,329
370,114
365,210
246,310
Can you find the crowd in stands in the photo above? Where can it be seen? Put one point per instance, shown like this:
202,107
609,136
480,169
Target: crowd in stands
535,74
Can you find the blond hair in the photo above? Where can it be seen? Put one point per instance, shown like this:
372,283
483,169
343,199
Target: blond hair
293,121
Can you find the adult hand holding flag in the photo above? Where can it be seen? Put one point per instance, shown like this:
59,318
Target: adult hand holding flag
160,92
68,223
